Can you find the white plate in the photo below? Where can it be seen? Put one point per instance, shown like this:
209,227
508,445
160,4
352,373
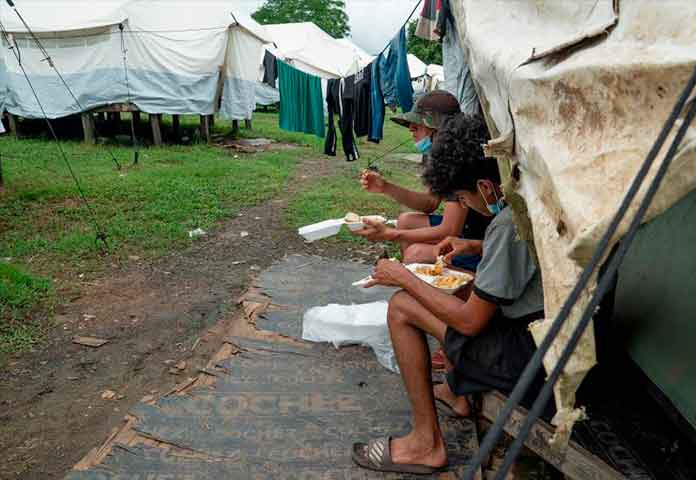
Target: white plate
427,278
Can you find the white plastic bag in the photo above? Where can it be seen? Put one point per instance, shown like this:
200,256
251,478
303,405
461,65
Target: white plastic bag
364,324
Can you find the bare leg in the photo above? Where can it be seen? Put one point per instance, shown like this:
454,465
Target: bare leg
408,323
420,253
411,221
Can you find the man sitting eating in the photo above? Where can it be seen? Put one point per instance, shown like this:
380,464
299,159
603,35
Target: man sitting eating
417,232
485,338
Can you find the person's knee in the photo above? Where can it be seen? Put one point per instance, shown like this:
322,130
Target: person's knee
407,220
397,313
419,253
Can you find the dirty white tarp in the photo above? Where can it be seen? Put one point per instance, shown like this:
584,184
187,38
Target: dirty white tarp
176,55
310,49
581,90
85,45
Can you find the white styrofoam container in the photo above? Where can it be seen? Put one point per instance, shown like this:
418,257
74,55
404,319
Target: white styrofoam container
320,230
329,228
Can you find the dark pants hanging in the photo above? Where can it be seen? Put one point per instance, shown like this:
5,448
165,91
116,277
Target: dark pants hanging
342,105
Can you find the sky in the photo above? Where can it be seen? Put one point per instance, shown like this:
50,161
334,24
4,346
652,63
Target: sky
372,22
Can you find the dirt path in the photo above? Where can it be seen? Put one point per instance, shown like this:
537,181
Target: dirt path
154,316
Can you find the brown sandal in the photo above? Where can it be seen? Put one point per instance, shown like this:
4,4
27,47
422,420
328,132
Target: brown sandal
376,455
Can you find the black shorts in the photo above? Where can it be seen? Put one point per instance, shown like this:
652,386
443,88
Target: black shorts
494,359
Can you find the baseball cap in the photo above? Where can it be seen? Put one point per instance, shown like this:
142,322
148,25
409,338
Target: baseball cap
430,110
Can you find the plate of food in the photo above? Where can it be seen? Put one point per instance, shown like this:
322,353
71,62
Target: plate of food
437,275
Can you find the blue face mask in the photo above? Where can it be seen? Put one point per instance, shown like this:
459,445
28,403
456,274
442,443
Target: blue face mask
494,208
424,145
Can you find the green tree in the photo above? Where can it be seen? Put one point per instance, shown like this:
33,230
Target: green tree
429,52
329,15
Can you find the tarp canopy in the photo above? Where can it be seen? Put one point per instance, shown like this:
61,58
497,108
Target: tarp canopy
310,49
177,54
576,93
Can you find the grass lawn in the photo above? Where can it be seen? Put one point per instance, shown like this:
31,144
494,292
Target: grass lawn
148,209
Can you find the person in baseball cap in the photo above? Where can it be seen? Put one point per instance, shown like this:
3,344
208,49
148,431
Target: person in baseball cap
427,116
419,230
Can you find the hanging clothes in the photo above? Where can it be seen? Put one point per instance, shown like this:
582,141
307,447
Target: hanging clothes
436,16
395,75
333,107
363,101
377,99
458,79
347,93
270,71
337,104
301,101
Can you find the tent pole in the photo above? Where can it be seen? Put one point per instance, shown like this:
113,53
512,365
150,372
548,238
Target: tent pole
88,127
156,124
235,127
205,128
13,125
247,123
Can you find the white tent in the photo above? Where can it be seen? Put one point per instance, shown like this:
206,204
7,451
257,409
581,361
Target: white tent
575,94
83,42
416,66
177,54
364,58
312,50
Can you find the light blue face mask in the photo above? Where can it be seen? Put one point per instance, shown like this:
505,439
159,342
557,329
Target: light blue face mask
494,208
424,145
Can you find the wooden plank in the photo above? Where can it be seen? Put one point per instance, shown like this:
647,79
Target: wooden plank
156,124
117,107
13,125
205,128
88,127
90,341
575,462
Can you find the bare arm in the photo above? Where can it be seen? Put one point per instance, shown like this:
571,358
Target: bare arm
425,202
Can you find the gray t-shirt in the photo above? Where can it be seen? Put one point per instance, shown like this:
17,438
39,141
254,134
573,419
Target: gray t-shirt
508,274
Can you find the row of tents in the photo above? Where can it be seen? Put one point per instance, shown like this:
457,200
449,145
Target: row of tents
166,57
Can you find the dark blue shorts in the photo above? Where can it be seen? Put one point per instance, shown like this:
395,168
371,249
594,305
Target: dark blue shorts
467,262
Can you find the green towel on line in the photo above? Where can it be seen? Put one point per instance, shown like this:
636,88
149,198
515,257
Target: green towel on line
301,101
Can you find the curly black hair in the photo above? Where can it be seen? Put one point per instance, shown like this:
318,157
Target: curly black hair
456,161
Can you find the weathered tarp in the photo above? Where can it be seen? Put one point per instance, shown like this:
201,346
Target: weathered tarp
177,54
576,92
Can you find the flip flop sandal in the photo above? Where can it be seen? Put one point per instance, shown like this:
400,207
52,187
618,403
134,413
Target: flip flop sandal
376,455
473,400
447,409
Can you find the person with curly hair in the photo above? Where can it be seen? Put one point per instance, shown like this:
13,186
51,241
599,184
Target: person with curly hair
418,231
485,337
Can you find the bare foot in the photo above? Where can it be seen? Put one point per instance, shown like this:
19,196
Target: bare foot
458,404
416,449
